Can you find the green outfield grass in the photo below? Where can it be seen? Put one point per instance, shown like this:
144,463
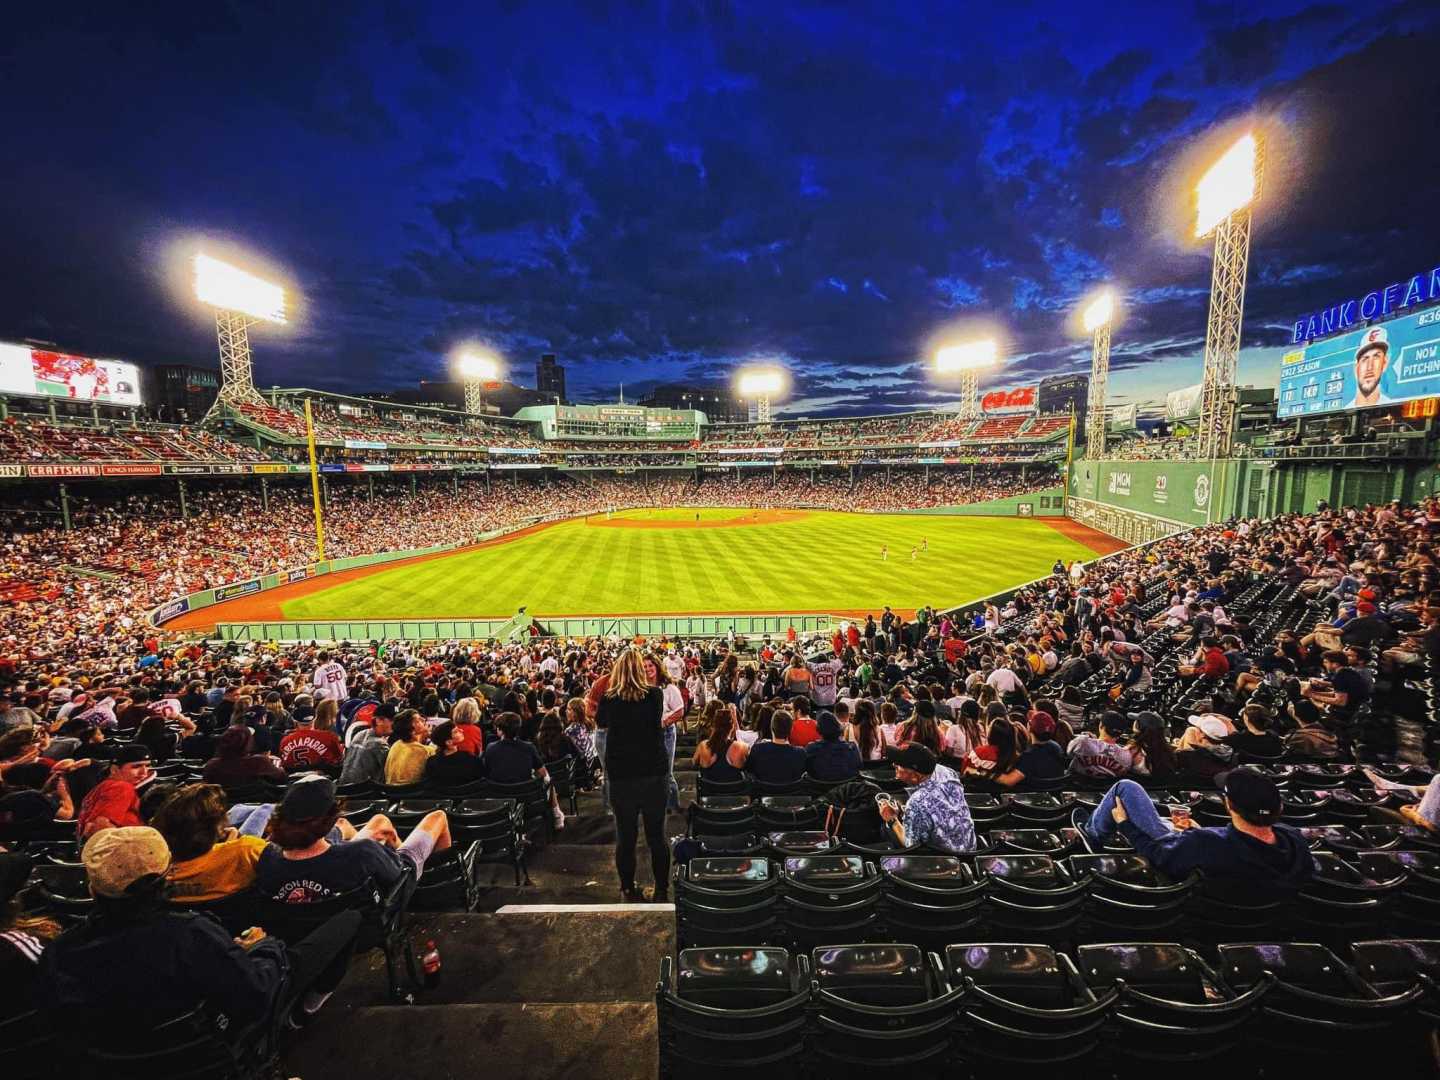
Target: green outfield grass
829,562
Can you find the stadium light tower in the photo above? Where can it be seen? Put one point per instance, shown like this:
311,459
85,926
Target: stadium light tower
239,299
968,359
1224,198
1097,318
761,385
476,370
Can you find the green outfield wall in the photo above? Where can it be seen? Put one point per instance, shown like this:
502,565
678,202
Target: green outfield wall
625,628
1047,503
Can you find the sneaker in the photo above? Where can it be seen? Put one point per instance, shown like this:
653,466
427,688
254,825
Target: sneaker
1080,821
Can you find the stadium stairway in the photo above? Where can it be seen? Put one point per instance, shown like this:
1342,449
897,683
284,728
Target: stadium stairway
552,979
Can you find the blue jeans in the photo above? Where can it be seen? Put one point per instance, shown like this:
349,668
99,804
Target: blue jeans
674,797
1138,808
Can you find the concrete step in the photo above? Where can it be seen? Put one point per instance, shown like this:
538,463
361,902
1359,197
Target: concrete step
497,1041
569,955
569,873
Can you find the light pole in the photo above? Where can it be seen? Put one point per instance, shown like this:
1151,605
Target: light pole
1224,198
239,299
1098,316
475,370
761,384
968,359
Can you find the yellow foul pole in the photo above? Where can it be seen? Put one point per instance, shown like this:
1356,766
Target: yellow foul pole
315,486
1069,459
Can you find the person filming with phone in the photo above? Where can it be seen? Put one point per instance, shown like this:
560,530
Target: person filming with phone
936,814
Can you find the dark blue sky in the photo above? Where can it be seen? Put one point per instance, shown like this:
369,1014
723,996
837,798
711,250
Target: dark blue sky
659,192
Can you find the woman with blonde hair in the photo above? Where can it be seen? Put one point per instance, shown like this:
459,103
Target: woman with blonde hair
638,769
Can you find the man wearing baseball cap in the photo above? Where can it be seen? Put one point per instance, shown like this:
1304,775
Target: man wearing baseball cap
936,814
1254,852
137,963
1371,360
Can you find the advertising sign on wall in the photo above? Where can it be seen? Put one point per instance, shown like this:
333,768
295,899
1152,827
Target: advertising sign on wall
1019,399
243,588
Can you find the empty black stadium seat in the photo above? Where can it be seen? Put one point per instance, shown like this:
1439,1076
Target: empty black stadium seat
721,815
719,901
930,900
492,831
1024,1005
738,1011
882,1006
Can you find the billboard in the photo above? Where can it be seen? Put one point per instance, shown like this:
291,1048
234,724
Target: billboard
1180,491
1377,365
1019,399
40,373
1184,403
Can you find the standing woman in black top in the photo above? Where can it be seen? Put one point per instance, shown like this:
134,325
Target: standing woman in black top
638,769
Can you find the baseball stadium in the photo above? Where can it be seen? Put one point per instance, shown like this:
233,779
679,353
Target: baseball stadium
995,722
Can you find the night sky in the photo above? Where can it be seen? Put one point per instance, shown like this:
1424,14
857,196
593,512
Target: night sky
660,192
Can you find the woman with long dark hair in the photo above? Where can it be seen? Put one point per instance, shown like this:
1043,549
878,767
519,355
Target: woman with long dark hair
865,731
721,757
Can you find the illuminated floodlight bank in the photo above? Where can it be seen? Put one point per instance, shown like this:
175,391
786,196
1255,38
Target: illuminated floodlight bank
761,383
478,367
969,356
228,288
1099,312
1228,186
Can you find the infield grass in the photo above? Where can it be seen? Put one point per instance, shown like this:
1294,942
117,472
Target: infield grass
661,561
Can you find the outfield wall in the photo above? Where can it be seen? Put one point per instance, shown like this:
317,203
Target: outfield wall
1047,503
627,627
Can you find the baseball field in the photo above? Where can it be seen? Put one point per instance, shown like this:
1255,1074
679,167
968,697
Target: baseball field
696,561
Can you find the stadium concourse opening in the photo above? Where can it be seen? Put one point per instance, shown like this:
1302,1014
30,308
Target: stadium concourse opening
565,568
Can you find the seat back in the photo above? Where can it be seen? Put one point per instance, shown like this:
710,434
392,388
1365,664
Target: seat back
1166,971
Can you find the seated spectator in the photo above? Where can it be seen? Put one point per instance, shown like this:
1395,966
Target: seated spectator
555,746
364,761
155,735
1311,738
236,765
721,757
580,730
802,726
832,759
452,765
313,743
1255,739
212,860
409,750
998,754
302,866
466,716
1203,753
1424,815
512,760
177,960
34,793
866,733
1254,853
776,761
1102,756
922,728
114,802
1151,754
1043,760
22,937
936,815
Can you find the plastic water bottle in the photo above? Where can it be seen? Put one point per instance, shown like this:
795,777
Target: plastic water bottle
430,965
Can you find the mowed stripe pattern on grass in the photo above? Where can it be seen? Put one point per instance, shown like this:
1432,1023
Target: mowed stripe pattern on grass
827,561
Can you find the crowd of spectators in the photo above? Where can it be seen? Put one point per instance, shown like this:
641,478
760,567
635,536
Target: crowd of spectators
987,700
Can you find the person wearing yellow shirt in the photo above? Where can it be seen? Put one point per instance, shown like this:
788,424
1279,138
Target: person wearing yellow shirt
410,750
210,859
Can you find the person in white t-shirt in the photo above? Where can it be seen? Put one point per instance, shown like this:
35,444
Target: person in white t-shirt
675,667
1005,681
329,679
